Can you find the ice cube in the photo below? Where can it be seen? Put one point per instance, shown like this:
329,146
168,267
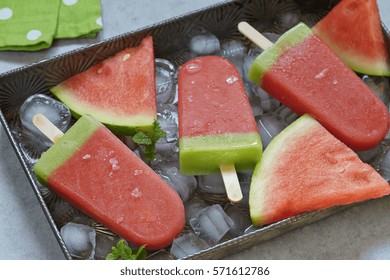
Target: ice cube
167,155
193,207
185,186
255,102
211,188
286,114
186,245
167,118
31,146
241,220
168,112
211,184
204,44
170,128
212,224
55,111
269,126
80,240
165,72
268,103
232,49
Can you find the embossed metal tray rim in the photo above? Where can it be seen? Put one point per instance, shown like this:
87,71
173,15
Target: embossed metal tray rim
18,84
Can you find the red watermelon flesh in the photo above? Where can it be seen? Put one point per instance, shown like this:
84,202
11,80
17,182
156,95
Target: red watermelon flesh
94,171
352,29
325,88
119,91
305,168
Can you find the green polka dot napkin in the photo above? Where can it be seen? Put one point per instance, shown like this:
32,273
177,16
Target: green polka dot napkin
34,24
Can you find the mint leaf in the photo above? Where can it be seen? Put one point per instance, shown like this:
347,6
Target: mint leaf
141,138
124,252
141,253
149,140
157,132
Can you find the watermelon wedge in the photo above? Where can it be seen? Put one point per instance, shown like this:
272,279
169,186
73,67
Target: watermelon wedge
119,91
352,29
305,168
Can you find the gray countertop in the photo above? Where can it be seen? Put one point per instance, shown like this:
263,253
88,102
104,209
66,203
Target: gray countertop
361,232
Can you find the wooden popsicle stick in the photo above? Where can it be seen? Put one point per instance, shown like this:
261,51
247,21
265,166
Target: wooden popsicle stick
47,127
255,36
232,185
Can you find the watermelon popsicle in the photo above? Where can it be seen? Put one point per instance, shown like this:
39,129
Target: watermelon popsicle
305,75
217,129
93,170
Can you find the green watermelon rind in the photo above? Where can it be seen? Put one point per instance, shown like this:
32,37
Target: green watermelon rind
373,68
356,62
268,57
66,146
204,155
356,59
269,158
117,123
358,181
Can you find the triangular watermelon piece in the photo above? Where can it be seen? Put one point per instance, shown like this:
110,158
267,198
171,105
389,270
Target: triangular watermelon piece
120,91
305,168
352,29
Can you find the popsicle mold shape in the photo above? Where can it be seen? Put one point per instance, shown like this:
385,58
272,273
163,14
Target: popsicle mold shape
304,74
93,170
216,124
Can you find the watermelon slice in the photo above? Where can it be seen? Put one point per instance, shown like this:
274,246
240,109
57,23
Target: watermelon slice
305,168
352,29
119,91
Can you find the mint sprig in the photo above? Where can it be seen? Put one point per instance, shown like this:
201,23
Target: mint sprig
148,140
124,252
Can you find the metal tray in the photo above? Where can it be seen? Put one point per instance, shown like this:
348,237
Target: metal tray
170,38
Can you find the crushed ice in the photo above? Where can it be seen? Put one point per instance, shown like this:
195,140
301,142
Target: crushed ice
138,172
136,192
232,79
321,74
114,164
86,156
